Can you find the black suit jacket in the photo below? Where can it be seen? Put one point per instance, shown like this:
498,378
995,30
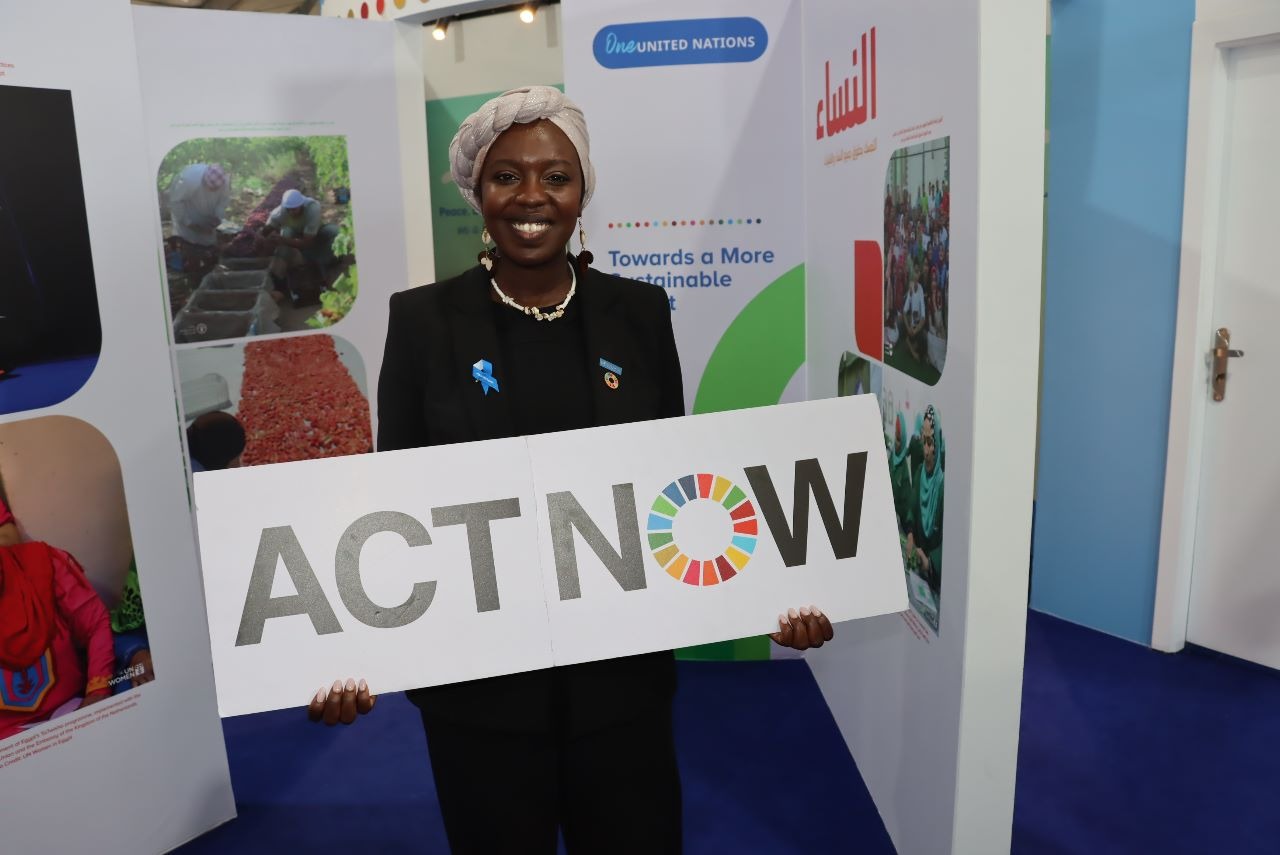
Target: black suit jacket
427,396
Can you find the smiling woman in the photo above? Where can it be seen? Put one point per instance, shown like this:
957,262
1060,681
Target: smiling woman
533,340
531,193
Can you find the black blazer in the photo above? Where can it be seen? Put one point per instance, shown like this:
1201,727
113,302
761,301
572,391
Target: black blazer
427,396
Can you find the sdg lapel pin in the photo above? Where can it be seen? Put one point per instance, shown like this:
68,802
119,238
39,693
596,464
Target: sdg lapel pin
612,373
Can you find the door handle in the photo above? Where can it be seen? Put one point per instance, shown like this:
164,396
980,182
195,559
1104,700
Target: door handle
1221,353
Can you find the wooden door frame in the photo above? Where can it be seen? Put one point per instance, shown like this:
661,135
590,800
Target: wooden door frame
1201,214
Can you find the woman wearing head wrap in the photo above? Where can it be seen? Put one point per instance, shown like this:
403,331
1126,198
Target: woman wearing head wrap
924,525
198,199
900,469
533,340
56,649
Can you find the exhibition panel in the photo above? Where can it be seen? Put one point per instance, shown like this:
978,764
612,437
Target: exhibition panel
106,689
922,176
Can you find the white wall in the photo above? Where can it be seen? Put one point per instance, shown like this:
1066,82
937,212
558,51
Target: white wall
1011,93
486,54
1206,9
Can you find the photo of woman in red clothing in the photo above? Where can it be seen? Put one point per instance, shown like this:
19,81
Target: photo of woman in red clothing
56,649
71,624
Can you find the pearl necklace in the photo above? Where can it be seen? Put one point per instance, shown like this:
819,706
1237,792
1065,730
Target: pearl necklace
537,313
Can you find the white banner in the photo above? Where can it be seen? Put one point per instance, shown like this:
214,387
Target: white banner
695,137
649,536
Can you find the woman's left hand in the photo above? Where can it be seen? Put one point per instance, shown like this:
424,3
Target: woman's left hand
341,703
803,629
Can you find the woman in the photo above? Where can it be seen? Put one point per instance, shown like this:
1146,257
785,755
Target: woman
900,470
585,748
937,313
924,528
56,649
914,314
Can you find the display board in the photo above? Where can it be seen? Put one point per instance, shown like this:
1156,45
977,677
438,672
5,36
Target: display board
893,226
280,342
890,166
649,536
701,191
107,711
886,142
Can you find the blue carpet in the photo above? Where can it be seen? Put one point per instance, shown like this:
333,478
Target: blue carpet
1123,750
762,764
30,387
1126,750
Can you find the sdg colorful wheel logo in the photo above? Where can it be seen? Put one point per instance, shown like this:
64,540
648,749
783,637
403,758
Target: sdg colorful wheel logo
712,553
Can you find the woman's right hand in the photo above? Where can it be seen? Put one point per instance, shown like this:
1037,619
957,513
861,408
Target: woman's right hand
341,702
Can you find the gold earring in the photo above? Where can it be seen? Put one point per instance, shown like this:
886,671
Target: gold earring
487,255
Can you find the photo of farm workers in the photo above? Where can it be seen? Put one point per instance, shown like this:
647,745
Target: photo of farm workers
259,235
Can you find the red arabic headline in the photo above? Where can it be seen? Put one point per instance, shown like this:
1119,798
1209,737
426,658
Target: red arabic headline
841,108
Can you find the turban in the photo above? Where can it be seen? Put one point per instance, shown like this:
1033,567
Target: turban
215,177
518,106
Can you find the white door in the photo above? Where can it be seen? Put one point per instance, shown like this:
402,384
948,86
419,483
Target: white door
1235,581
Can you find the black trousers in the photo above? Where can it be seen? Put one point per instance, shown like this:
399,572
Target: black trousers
614,790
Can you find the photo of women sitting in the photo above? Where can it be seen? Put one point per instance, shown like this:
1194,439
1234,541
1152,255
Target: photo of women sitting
917,466
917,235
924,526
56,647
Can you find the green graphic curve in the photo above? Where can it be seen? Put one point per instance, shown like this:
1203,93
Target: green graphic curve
751,366
760,351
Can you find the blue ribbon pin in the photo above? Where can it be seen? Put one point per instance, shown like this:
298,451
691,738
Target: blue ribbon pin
482,371
609,366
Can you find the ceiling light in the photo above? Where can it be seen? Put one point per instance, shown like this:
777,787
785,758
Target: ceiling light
528,12
440,30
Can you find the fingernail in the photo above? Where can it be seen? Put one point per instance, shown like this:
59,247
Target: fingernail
804,611
782,621
364,687
337,686
794,614
351,685
815,611
319,698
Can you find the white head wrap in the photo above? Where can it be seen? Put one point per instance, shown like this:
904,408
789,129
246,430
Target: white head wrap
518,106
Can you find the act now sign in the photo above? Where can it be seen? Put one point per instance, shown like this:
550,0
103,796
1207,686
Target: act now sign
429,566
